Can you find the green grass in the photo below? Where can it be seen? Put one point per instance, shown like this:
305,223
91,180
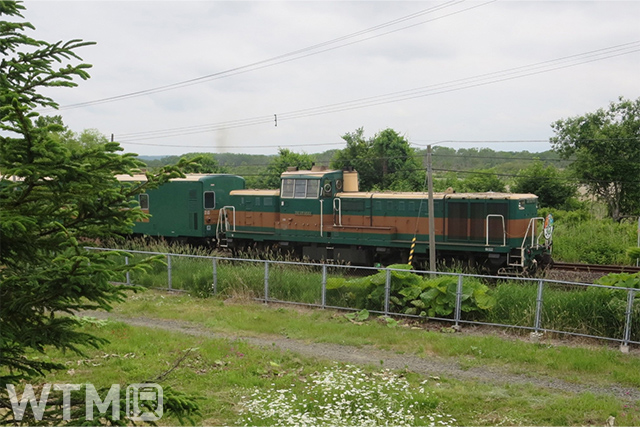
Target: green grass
602,365
591,311
225,374
594,241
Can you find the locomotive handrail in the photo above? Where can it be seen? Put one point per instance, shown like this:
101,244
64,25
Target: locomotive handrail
219,225
339,210
532,227
233,209
321,217
504,230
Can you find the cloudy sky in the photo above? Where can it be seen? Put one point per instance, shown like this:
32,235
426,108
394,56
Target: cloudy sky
171,77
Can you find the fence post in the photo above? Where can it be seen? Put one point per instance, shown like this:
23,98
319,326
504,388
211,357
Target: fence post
126,262
169,271
387,292
266,281
324,286
538,306
458,300
624,347
215,276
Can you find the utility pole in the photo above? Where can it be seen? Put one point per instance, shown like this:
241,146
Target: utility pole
432,231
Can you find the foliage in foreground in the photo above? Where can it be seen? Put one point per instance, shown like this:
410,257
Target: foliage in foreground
53,194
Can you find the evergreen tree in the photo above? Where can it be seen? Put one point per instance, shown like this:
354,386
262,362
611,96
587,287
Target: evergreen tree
53,195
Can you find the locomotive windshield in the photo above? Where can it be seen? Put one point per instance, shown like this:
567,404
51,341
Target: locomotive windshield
300,188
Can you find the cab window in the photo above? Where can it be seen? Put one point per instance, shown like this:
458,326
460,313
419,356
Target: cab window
143,199
300,188
287,188
209,200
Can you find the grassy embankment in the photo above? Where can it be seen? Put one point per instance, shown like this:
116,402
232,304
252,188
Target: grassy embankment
225,373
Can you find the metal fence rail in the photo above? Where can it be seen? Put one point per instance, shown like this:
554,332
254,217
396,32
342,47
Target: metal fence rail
537,327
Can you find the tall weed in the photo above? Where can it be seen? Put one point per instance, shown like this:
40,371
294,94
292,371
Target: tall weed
590,311
594,241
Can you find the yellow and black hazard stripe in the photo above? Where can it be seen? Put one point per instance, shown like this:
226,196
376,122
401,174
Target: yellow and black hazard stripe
413,247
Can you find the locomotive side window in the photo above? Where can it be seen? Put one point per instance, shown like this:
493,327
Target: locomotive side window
300,189
313,185
287,188
209,200
143,199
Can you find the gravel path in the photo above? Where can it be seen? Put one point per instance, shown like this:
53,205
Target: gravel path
432,366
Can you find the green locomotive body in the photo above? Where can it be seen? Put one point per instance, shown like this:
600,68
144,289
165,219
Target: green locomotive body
321,215
185,208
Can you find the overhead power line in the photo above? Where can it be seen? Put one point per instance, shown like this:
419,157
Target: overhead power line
423,91
315,49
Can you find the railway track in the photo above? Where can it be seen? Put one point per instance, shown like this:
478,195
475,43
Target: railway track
594,268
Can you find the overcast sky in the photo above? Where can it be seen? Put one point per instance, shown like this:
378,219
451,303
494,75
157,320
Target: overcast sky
497,73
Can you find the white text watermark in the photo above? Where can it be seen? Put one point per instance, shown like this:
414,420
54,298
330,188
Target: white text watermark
143,401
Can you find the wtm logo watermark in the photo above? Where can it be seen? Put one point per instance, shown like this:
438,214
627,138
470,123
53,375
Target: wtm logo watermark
147,396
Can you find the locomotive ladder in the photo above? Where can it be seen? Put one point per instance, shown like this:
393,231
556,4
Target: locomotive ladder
518,259
223,226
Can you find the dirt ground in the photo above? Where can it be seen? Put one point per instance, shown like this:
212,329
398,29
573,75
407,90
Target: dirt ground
431,366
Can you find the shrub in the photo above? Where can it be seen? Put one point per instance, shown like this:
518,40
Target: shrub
410,293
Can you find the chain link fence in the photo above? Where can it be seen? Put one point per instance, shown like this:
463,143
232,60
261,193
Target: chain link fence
536,305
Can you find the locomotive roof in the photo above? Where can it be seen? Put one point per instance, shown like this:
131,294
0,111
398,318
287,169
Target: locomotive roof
188,177
308,173
439,196
491,195
255,193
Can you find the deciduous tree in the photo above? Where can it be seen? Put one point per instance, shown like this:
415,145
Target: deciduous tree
284,160
606,146
202,163
483,180
552,188
384,162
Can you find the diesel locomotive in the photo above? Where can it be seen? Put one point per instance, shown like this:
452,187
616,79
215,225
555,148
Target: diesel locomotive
321,215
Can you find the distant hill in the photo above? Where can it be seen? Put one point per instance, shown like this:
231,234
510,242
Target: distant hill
444,159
